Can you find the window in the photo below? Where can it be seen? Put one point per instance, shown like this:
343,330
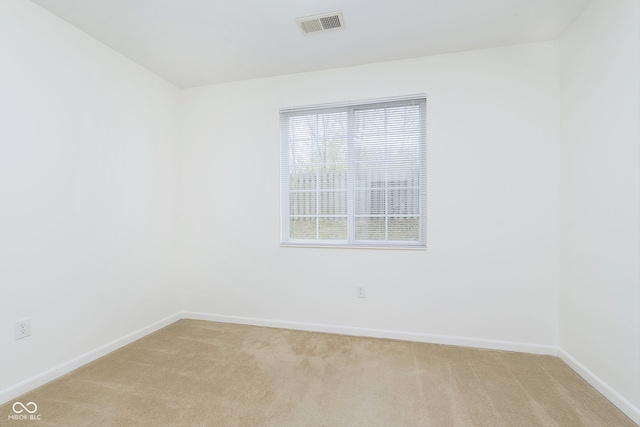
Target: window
354,174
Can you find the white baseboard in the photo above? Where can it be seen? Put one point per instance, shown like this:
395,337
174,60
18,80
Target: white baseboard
27,385
623,404
378,333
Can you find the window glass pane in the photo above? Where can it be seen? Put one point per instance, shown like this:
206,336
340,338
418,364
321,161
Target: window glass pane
302,228
302,181
397,200
302,203
301,155
333,179
333,203
333,228
370,201
404,229
318,141
370,228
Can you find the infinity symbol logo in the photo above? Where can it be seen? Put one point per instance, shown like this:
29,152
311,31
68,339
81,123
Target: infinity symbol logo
24,407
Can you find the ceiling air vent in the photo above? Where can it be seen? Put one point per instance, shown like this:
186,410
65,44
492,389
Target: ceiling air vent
319,23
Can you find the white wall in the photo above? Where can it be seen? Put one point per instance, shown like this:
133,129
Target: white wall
600,193
491,269
87,186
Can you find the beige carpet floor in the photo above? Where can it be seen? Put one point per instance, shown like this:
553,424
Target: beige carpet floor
196,373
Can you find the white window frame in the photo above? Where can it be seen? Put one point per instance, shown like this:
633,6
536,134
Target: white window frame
351,241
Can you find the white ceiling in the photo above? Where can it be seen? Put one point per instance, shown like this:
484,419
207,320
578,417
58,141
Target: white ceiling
199,42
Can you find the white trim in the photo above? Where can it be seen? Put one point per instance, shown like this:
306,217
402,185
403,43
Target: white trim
380,165
303,108
348,246
378,333
49,375
613,396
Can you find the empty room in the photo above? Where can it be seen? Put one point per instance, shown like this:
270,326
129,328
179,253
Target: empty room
320,213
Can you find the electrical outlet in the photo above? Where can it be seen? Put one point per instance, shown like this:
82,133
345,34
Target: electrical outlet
360,292
22,328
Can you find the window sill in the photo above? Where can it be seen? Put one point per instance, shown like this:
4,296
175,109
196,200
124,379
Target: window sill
343,246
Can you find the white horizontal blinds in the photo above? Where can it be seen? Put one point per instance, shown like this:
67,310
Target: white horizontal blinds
354,174
317,172
388,167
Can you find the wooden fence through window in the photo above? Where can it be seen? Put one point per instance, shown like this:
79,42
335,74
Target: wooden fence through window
394,193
